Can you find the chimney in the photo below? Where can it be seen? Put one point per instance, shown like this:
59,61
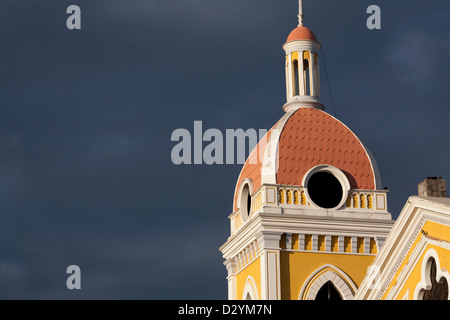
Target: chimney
433,187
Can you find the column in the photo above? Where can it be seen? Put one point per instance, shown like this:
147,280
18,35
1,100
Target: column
301,241
317,78
289,241
366,245
301,71
290,81
269,244
341,243
230,264
354,243
311,74
315,242
287,78
328,243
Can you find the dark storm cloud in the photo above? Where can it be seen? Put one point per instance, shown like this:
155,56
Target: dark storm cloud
86,120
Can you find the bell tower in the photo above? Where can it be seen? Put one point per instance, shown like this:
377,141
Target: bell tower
302,67
309,211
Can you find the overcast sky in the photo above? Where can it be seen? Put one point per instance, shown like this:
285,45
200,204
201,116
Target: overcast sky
86,118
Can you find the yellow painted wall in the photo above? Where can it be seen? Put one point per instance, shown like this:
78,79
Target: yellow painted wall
435,230
296,267
254,270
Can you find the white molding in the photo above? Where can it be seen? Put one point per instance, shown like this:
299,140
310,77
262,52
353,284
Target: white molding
296,102
342,282
303,224
301,45
251,289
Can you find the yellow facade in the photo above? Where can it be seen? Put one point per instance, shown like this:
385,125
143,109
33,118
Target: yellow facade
298,267
253,270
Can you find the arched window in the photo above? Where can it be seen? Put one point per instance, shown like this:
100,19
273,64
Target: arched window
438,290
328,292
250,290
328,281
306,77
434,283
296,79
245,200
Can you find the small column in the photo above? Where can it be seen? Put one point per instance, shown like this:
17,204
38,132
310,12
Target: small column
301,241
328,243
315,242
354,243
289,241
311,74
341,243
301,72
379,242
366,245
290,81
316,77
287,78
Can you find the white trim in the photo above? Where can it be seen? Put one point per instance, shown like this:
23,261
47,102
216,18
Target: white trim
301,45
312,68
269,166
338,174
244,214
341,281
251,289
301,71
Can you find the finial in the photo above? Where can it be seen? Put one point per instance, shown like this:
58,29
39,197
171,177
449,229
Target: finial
300,13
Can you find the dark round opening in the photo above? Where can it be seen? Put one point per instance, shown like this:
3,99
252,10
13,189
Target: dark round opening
246,202
249,203
325,190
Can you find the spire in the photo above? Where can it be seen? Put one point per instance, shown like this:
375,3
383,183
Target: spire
300,13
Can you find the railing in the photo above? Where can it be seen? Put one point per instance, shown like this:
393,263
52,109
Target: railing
295,197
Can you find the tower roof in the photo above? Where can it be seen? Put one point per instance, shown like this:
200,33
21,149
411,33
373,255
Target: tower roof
301,33
303,139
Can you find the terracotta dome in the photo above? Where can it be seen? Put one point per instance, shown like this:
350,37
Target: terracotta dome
301,33
308,137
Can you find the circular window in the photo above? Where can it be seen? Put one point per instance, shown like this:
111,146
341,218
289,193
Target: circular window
326,187
246,202
325,190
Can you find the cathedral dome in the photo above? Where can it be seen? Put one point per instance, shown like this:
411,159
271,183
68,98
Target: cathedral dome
301,33
302,140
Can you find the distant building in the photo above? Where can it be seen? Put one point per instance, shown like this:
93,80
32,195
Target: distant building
310,216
